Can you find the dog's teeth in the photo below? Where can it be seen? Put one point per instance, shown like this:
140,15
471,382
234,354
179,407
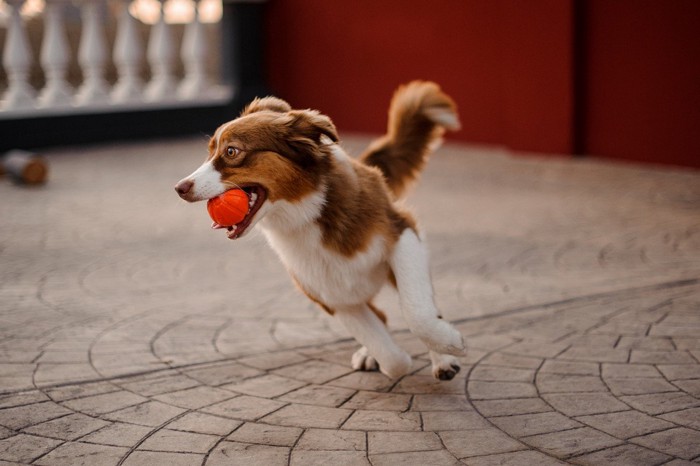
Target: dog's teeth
253,198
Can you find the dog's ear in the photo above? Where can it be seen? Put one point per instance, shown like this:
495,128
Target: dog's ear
271,104
307,132
312,125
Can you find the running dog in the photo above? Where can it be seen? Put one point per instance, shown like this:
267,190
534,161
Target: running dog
334,220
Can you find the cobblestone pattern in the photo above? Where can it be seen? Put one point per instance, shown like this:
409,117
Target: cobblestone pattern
132,335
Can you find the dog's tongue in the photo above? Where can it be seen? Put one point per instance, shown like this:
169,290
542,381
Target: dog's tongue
216,226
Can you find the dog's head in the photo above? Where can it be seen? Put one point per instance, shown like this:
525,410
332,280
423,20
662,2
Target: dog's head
275,154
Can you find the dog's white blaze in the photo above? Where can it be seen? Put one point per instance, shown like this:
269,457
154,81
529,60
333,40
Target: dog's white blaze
220,131
207,182
409,263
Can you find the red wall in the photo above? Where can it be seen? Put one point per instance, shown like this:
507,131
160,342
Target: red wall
642,80
507,63
511,65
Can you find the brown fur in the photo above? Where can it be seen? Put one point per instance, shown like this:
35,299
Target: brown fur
401,154
279,151
354,214
266,103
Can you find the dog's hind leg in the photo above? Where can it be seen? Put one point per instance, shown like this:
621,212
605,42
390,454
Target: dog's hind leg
409,262
370,331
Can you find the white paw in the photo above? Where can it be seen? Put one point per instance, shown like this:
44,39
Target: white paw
363,361
445,366
397,365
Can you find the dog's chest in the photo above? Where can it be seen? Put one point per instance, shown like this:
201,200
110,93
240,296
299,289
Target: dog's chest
327,275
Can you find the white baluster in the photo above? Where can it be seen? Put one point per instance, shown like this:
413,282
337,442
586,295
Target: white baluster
54,58
161,55
17,58
194,53
128,57
93,55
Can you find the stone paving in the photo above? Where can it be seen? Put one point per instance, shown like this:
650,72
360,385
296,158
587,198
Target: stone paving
132,334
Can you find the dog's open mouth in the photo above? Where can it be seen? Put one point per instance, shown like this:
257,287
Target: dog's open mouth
256,198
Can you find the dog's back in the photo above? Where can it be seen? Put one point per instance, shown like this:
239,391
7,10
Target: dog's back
418,115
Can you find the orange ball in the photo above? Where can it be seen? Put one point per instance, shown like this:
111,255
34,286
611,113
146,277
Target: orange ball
228,208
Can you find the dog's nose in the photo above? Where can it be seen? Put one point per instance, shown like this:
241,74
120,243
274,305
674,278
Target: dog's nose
184,187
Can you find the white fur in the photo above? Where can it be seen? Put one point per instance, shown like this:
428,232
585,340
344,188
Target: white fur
283,217
410,265
325,140
219,132
207,182
328,275
363,361
443,363
371,332
343,162
443,116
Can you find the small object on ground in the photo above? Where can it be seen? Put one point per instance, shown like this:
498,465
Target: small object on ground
228,208
24,167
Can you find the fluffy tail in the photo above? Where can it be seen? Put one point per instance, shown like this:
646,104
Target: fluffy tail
418,116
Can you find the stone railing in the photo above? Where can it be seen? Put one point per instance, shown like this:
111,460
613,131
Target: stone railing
128,52
136,81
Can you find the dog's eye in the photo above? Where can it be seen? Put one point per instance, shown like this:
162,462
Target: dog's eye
232,151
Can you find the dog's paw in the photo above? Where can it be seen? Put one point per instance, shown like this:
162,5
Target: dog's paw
394,367
446,374
445,366
363,361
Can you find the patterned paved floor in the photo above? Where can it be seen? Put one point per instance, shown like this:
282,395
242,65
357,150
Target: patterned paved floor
132,334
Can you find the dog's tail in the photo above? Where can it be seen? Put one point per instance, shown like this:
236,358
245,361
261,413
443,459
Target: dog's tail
418,116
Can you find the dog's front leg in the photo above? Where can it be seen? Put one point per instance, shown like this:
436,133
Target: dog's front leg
409,263
370,331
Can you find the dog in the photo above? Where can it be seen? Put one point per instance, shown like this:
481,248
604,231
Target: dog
334,220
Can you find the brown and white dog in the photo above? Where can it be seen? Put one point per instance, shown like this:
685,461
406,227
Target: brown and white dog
333,220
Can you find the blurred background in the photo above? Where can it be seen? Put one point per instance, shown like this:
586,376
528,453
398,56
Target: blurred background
615,79
612,78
